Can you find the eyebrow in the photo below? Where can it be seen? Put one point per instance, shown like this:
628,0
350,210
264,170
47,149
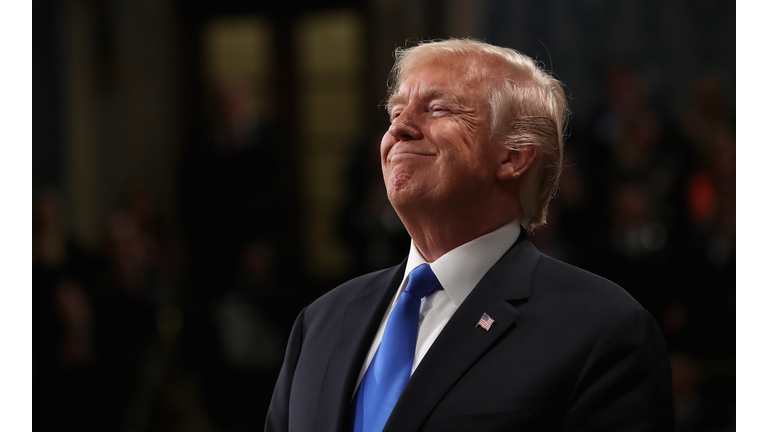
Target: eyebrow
427,93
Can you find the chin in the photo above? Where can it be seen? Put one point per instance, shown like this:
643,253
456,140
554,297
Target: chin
402,196
408,196
407,186
399,196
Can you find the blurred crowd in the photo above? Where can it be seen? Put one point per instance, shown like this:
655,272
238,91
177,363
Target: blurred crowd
180,325
648,200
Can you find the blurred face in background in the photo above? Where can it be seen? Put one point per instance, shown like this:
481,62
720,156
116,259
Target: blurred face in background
437,153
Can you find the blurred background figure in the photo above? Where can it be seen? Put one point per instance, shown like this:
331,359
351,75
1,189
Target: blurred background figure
201,172
63,349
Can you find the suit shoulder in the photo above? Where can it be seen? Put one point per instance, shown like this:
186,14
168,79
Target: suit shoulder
348,290
581,285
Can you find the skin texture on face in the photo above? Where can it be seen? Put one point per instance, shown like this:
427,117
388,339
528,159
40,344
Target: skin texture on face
447,180
437,149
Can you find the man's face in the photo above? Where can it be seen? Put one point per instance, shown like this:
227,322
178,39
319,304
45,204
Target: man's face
437,151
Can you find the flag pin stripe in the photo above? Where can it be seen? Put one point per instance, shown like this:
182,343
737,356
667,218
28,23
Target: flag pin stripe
485,322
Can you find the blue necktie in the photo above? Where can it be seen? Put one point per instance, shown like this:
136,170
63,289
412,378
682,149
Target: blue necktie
391,366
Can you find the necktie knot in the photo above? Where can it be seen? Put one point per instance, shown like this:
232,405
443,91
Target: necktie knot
422,282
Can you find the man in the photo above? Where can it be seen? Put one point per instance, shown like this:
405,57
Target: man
504,338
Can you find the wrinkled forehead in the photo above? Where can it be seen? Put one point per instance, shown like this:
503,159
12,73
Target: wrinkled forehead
468,63
471,78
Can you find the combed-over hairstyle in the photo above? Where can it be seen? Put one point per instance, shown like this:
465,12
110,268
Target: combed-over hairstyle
528,108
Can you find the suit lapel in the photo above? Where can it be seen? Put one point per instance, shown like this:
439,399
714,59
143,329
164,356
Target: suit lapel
362,317
462,343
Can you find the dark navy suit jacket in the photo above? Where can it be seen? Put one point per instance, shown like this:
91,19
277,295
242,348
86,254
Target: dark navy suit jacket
568,351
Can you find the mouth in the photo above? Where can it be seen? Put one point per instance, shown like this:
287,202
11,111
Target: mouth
404,153
409,155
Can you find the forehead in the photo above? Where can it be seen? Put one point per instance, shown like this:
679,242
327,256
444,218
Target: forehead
464,79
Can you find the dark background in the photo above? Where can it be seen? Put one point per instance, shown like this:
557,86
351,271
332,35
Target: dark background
202,171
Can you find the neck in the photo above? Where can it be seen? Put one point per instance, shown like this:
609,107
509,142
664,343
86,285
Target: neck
436,232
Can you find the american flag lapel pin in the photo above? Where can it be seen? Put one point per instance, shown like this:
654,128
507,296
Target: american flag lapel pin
485,322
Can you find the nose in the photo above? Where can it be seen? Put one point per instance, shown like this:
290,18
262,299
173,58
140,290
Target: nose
406,127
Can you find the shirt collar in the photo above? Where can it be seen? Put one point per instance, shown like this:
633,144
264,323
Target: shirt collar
460,270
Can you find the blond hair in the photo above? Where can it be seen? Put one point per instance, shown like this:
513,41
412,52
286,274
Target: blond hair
528,108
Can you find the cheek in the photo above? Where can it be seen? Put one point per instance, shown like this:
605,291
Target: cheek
462,145
386,145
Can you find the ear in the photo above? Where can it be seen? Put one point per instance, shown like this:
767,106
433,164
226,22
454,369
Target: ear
516,161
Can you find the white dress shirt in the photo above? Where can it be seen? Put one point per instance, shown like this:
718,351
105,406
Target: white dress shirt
458,272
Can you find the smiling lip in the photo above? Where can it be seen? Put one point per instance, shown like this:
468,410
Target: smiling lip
408,155
404,153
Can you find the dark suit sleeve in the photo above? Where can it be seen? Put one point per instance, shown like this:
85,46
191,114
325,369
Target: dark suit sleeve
626,382
277,416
